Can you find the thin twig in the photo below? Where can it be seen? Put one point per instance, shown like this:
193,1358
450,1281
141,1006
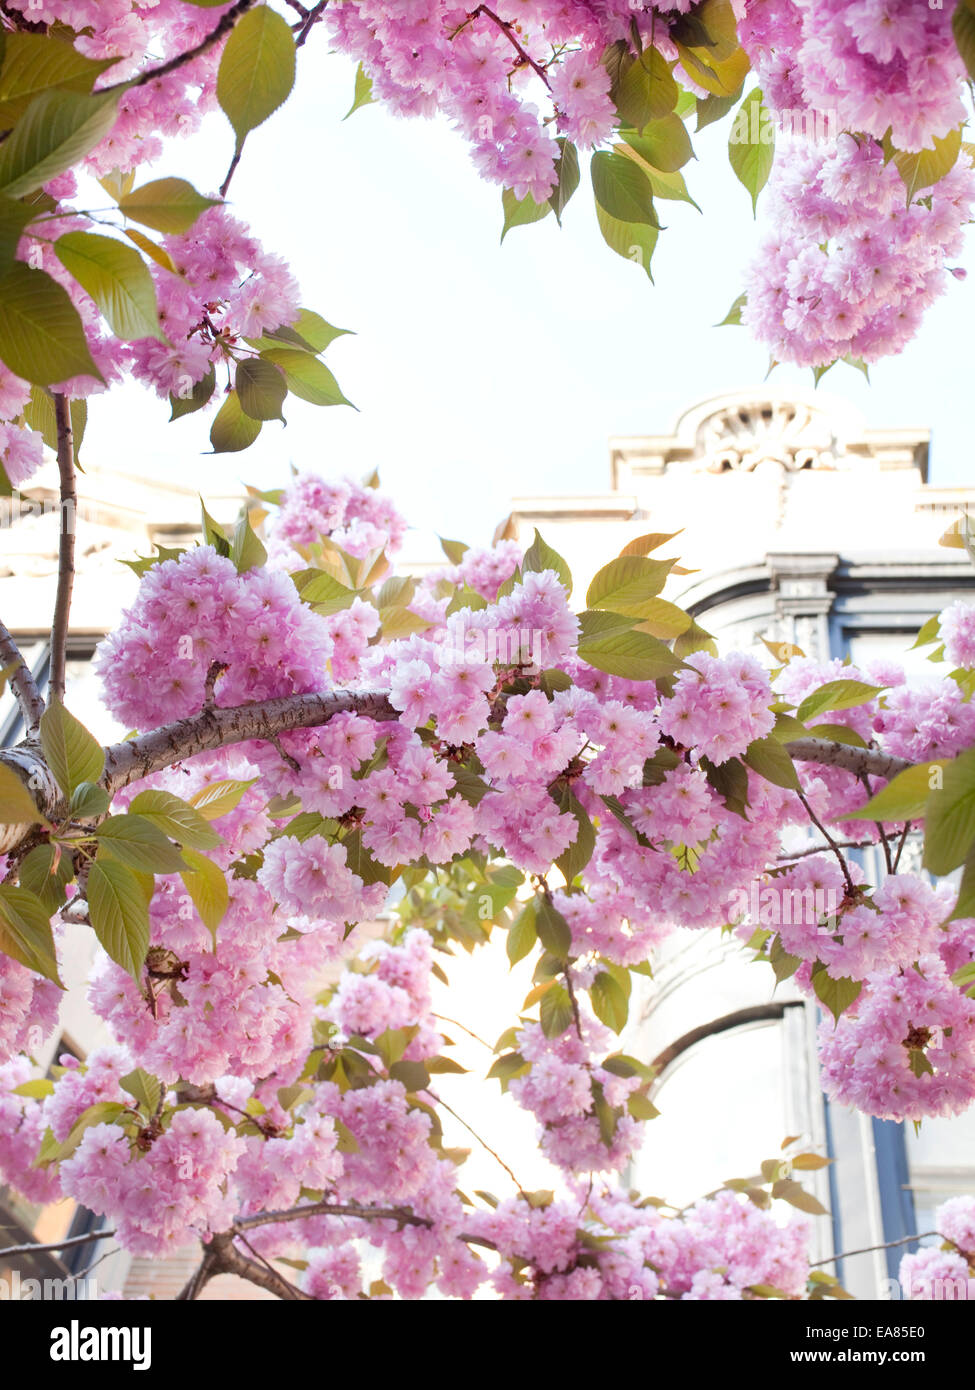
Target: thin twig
456,1023
824,849
740,1018
483,1143
66,1244
900,847
311,19
850,886
220,31
508,31
22,682
69,506
866,1249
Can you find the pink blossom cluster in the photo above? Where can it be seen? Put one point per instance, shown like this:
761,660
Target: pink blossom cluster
957,630
160,1199
22,1125
28,1008
357,519
311,879
875,64
224,287
394,995
482,570
195,611
720,1248
886,931
935,1275
850,265
719,706
906,1049
562,1090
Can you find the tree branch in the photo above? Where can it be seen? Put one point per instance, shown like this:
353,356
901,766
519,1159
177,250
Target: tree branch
757,1013
859,761
22,682
220,728
219,32
402,1215
866,1249
69,507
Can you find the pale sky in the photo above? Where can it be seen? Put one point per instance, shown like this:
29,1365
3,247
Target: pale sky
484,371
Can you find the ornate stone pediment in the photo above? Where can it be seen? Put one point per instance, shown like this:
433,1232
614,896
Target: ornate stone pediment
747,434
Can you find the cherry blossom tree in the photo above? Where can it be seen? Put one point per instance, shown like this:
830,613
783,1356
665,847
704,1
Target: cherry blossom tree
319,742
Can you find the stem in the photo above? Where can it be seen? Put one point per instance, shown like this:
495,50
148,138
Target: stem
32,1249
820,849
508,31
866,1249
22,682
850,887
311,19
215,35
901,843
483,1143
69,505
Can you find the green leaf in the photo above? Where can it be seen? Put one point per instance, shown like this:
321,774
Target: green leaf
257,70
712,108
41,337
522,934
39,876
71,752
964,906
574,859
634,655
307,378
923,168
507,1067
641,1107
39,414
213,533
14,217
837,995
963,28
797,1196
646,89
175,818
553,930
751,145
949,816
622,189
232,430
119,914
166,205
664,144
768,757
629,585
324,592
88,801
134,840
555,1010
521,212
17,806
310,332
118,281
904,797
199,395
219,798
261,388
836,695
454,550
34,63
609,1002
539,556
246,548
567,175
363,91
837,733
143,1087
25,931
55,132
206,884
634,241
38,1089
733,316
810,1162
